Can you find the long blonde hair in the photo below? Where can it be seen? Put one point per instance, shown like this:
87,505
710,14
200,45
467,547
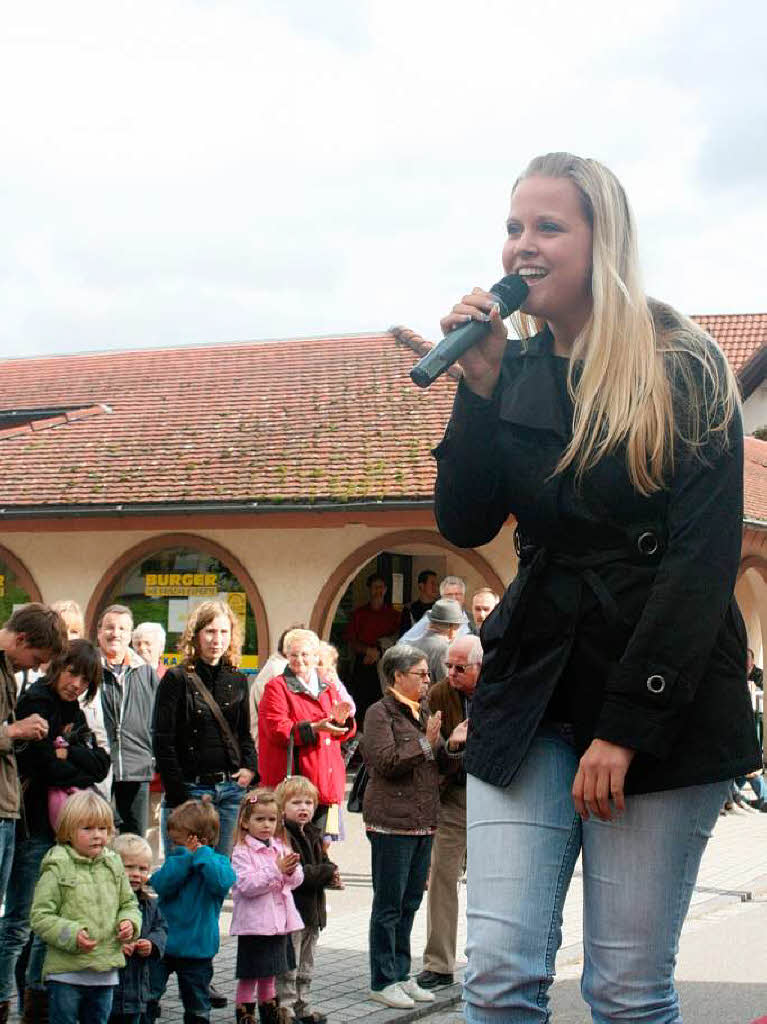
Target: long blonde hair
634,356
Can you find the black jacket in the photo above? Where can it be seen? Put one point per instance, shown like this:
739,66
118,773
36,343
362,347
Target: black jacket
39,768
318,873
180,719
622,618
135,987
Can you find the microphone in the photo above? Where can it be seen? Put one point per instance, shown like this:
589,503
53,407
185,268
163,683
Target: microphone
510,293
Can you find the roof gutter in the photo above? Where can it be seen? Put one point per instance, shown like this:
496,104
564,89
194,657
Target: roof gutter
755,524
205,508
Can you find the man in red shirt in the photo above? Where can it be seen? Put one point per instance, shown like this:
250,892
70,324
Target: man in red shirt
370,625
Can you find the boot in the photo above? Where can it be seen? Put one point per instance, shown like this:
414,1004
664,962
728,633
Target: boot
245,1013
35,1006
267,1012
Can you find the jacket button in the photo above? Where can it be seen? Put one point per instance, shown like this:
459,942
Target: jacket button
656,684
647,543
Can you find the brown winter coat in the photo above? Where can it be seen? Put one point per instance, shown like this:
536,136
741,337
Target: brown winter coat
403,790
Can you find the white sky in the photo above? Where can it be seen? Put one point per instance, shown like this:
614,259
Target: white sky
179,171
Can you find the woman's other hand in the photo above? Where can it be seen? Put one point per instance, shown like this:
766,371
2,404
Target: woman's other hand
481,364
341,711
243,777
599,779
328,725
433,727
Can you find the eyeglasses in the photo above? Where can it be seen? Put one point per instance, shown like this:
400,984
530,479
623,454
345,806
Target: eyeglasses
460,669
423,674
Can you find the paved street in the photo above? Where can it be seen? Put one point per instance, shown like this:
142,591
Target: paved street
721,974
722,958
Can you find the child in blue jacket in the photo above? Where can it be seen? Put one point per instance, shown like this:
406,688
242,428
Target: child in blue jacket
191,886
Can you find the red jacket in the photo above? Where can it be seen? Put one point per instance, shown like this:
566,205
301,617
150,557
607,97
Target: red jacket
287,710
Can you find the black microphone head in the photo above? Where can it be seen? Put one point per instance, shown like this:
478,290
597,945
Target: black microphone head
511,291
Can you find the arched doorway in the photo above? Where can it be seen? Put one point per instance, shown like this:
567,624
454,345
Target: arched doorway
17,586
163,578
407,551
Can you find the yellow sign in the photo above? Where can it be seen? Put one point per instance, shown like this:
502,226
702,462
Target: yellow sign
238,602
180,584
2,586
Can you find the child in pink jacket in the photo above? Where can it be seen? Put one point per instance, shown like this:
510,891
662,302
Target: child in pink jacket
264,913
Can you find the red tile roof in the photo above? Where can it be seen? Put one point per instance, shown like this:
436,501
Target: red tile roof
308,420
300,421
739,335
755,479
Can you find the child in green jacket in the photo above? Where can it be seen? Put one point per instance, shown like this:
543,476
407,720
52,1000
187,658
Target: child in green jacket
84,910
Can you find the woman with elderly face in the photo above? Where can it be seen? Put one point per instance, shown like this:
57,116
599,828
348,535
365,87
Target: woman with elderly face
302,722
403,750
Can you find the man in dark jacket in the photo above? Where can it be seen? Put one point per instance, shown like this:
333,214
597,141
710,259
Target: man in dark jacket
127,699
452,698
428,592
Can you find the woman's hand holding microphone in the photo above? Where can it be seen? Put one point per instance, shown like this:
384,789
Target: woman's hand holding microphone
481,363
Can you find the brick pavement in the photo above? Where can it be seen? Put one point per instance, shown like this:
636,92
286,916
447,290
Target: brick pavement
735,863
734,866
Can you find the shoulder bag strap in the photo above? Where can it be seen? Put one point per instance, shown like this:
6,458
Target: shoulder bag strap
230,740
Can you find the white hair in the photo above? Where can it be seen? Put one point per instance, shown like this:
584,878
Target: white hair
151,629
473,646
451,581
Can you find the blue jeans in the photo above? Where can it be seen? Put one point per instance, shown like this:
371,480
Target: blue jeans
79,1004
7,844
227,797
400,867
638,876
193,975
14,926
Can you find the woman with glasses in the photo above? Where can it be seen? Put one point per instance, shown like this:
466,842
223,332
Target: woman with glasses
403,751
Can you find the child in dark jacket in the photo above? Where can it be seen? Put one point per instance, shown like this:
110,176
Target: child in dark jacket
191,886
298,798
134,989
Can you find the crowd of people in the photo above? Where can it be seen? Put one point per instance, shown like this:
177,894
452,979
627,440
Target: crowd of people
87,724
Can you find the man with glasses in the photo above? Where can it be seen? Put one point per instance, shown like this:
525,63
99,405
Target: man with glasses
452,698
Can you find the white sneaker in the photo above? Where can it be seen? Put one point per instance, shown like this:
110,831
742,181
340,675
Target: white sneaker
413,989
393,995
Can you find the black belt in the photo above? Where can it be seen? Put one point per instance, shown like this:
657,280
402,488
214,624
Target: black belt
211,779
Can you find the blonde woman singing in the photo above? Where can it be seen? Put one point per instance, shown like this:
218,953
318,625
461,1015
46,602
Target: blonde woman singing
611,709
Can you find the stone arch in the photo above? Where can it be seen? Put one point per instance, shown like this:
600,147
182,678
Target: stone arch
152,546
23,575
337,582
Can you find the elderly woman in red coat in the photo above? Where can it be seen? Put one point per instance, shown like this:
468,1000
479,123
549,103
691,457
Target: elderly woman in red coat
302,723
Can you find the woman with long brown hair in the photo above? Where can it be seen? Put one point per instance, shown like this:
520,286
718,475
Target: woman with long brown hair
610,710
201,730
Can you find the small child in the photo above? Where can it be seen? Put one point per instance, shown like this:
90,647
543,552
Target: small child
84,910
191,886
133,991
298,799
264,912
